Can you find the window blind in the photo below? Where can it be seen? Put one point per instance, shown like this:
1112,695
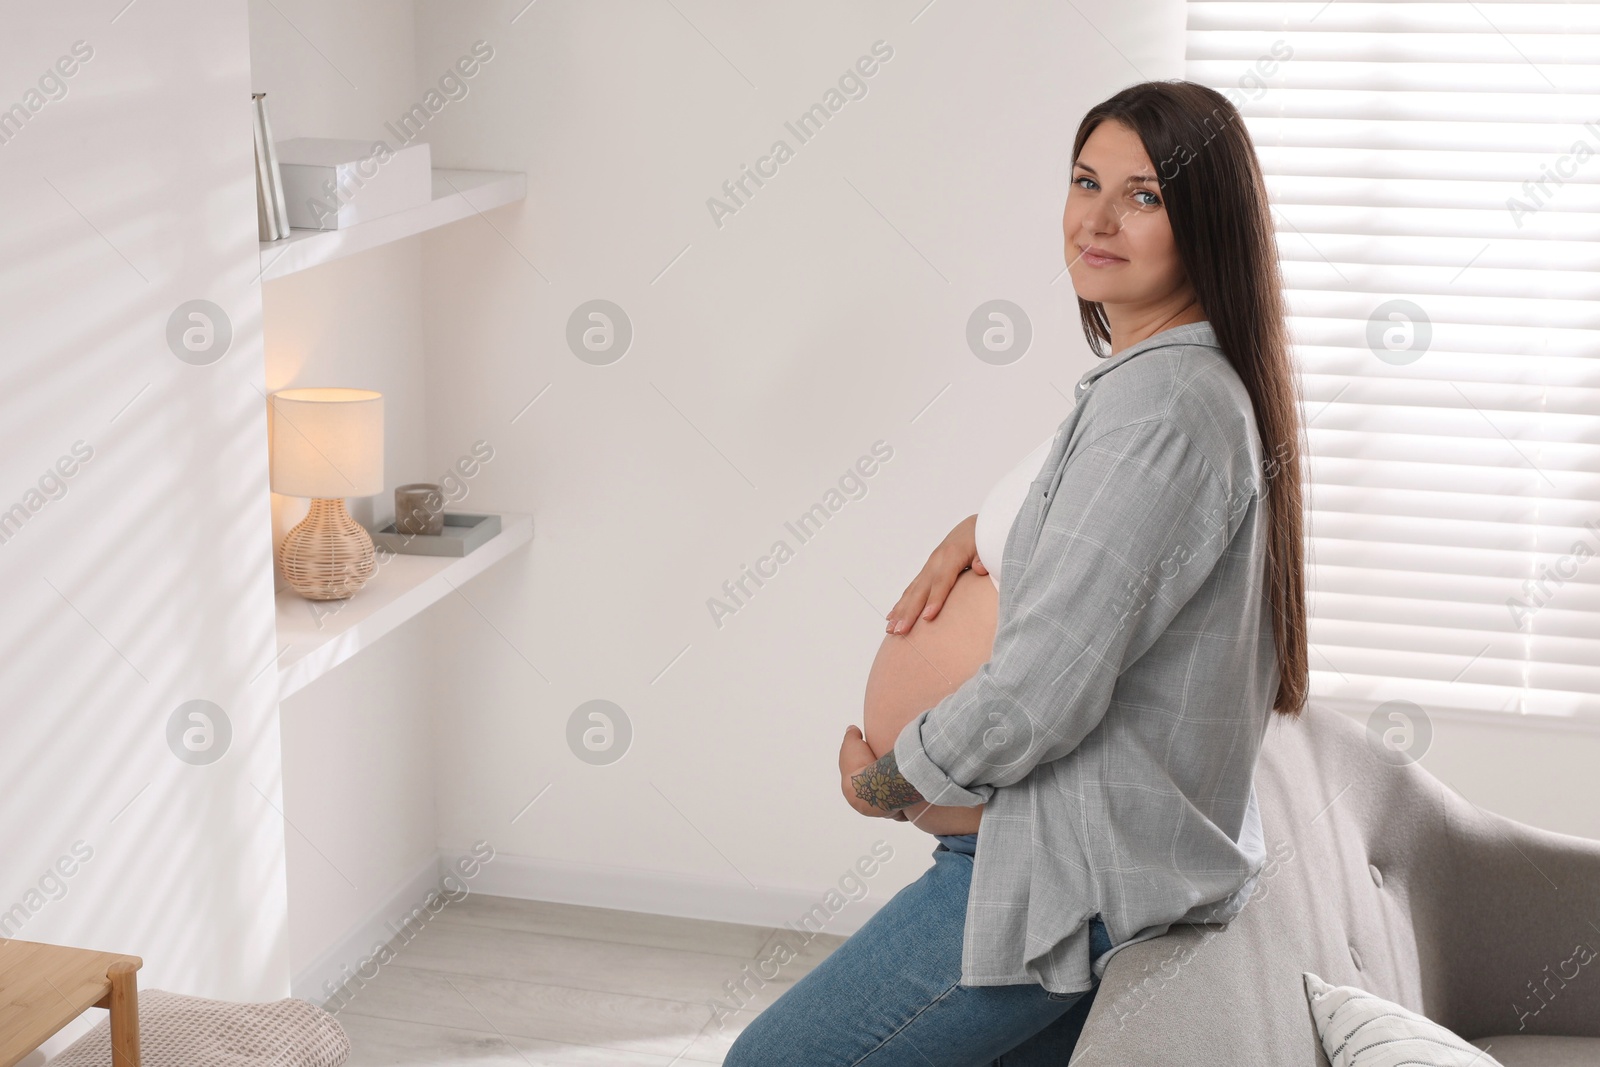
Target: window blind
1434,170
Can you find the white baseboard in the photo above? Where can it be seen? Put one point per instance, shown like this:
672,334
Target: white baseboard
595,885
346,954
659,893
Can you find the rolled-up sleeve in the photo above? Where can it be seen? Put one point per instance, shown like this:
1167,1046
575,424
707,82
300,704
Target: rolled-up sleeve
1136,523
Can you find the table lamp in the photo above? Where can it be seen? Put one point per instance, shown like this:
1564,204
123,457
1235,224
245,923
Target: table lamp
326,444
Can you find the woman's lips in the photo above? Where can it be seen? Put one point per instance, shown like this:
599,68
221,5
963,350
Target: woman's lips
1096,258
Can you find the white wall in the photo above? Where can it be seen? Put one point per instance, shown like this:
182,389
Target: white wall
358,777
148,583
769,357
1539,773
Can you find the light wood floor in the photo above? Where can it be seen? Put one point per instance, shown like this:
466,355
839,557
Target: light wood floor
496,982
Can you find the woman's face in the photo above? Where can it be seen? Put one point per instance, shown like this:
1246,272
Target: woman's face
1115,206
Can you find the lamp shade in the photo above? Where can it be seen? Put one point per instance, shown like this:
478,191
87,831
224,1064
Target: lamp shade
327,443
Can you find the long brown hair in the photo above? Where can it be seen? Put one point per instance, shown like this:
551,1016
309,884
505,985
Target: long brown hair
1216,200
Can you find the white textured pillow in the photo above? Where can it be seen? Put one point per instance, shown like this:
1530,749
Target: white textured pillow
1361,1030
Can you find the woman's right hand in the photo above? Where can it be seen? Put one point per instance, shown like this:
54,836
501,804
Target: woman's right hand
927,591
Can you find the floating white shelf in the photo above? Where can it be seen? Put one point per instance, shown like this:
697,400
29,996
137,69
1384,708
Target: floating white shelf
315,637
457,194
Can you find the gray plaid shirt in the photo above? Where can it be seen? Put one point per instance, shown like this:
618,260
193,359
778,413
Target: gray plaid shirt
1113,734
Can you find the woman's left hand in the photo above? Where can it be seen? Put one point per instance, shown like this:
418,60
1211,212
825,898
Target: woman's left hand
855,756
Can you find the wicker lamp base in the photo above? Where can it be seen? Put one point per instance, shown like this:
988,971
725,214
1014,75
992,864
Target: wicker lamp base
328,556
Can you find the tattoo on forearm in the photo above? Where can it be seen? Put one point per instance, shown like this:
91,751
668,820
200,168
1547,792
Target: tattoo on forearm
882,786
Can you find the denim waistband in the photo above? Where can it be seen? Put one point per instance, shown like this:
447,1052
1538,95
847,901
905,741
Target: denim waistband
967,843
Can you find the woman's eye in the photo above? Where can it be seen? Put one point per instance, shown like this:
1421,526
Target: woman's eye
1082,178
1154,201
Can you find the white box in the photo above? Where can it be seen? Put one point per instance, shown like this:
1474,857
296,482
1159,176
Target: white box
330,184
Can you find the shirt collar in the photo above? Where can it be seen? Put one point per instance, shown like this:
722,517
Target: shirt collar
1190,333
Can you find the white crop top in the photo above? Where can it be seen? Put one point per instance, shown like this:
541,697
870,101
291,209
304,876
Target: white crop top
1000,507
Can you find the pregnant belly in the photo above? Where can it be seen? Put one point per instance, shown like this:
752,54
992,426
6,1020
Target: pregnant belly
915,670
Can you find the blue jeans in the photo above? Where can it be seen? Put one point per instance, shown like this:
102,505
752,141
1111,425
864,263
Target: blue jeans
890,995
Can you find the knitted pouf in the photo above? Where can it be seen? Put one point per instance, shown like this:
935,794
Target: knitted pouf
181,1031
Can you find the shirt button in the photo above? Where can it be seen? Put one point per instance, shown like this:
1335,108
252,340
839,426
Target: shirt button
1377,875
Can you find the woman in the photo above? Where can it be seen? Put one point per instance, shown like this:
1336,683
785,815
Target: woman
1080,733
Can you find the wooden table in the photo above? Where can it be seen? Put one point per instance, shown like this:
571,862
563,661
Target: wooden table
44,987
